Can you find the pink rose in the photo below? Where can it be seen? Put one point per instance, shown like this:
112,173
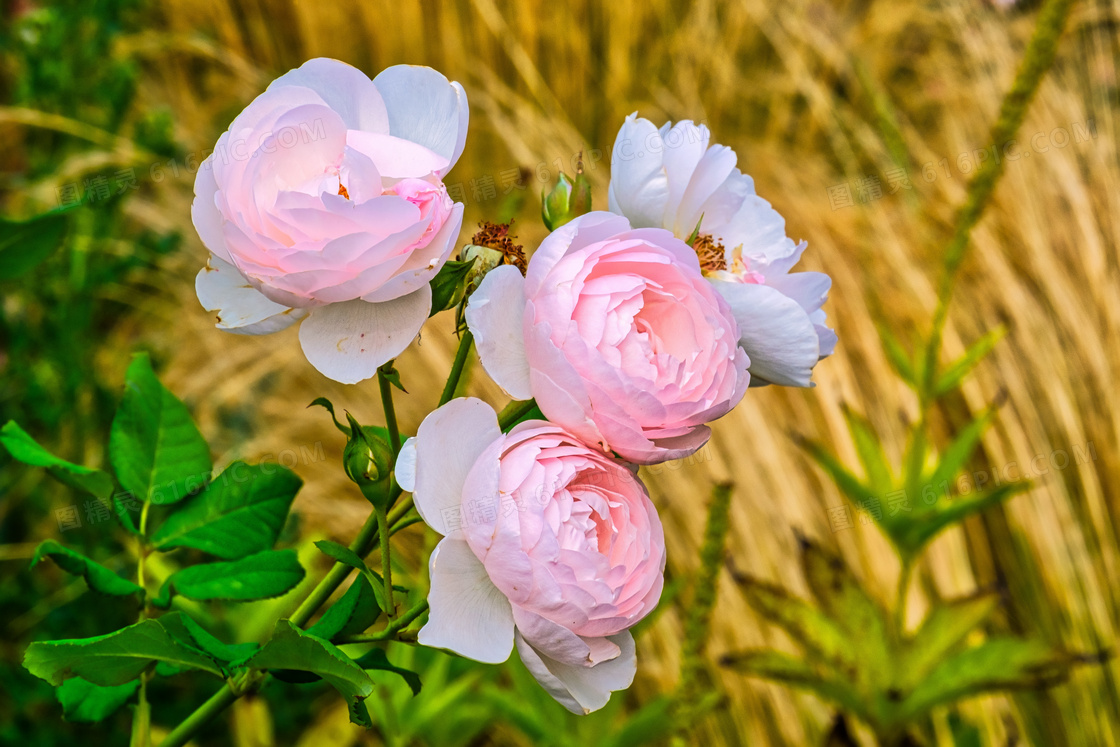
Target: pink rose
673,179
548,544
617,335
324,201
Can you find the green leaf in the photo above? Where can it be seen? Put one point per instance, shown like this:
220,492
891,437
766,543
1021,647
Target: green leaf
112,659
917,533
24,244
779,667
189,633
870,451
291,648
449,285
944,628
262,576
957,453
897,355
24,448
326,403
997,664
960,368
346,556
393,376
98,577
376,658
814,632
849,484
354,613
86,703
240,513
154,445
844,601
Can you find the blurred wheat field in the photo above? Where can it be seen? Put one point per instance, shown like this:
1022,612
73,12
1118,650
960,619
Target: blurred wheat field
810,95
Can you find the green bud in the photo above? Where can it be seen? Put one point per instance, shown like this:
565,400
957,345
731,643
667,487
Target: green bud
367,458
450,284
566,201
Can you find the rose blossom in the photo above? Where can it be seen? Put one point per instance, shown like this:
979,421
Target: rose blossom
671,178
617,335
324,201
548,544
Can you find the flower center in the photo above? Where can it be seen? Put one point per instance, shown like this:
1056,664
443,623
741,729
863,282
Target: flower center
342,190
710,252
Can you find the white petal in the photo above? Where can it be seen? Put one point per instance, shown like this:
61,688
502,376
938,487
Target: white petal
711,173
495,315
448,443
809,289
639,185
405,467
426,108
582,689
683,146
775,332
240,307
348,341
761,232
468,614
345,89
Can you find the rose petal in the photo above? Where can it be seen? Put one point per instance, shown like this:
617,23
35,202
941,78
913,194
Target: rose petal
426,108
447,445
344,88
241,308
348,341
495,314
582,689
775,332
468,615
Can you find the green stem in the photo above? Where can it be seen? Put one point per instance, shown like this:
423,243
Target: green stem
464,349
514,411
201,716
383,530
1037,60
390,631
900,605
697,627
142,717
390,413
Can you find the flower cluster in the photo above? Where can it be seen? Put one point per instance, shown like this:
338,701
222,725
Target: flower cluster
631,329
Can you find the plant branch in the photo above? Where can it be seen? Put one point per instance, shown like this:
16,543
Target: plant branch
1037,60
514,411
698,625
464,349
390,413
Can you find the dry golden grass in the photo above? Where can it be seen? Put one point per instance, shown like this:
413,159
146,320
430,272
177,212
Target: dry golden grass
781,83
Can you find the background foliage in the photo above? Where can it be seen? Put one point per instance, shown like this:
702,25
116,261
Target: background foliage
812,95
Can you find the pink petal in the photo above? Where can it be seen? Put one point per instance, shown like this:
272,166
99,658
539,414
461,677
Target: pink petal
426,108
346,89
